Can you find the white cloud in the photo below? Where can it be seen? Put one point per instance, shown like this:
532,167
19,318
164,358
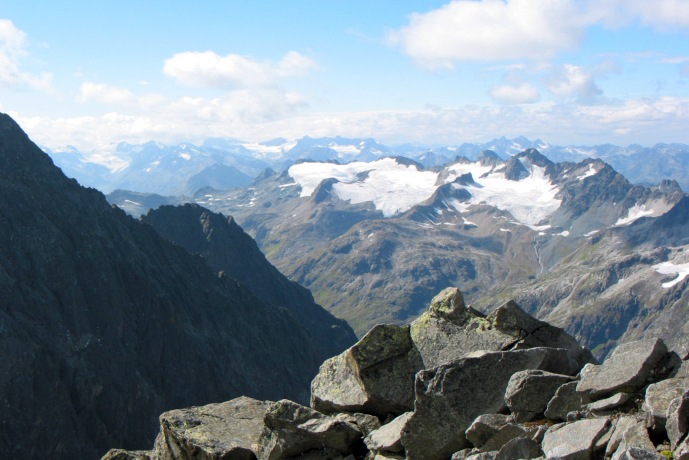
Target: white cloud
662,15
491,30
210,70
573,81
112,95
12,49
521,94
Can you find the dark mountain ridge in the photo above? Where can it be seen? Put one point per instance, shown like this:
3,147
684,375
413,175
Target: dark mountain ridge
104,324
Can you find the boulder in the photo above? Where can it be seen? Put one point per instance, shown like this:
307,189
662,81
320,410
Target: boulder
518,449
658,398
492,431
374,376
365,422
294,430
637,453
227,430
529,391
388,438
626,369
450,330
677,423
608,404
451,396
566,400
629,432
121,454
574,441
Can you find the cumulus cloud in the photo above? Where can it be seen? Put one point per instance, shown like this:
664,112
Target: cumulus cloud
491,30
112,95
12,49
209,70
573,81
521,94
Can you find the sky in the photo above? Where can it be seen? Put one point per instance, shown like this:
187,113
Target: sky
569,72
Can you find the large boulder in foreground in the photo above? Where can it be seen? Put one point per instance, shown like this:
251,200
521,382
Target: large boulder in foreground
375,376
227,430
450,397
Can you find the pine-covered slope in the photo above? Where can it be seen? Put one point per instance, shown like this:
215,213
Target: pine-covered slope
104,324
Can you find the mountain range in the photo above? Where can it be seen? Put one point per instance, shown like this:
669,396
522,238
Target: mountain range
104,323
222,164
575,243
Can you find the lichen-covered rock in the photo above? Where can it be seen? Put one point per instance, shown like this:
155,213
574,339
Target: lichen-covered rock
228,430
451,396
388,438
626,369
374,376
574,441
292,430
450,330
566,400
365,422
121,454
658,398
529,391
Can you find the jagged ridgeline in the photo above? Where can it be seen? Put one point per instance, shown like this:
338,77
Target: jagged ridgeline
104,324
459,385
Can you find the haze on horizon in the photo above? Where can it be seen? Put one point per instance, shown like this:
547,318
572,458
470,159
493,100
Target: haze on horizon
429,72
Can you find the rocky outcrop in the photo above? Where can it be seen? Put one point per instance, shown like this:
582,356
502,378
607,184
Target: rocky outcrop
474,405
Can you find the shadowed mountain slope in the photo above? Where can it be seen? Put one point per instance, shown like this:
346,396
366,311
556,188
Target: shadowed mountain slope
104,324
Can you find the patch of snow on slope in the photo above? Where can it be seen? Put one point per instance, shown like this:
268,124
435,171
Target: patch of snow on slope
345,150
652,209
590,172
529,200
668,268
392,187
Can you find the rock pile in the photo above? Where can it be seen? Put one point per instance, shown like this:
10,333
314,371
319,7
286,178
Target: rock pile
455,384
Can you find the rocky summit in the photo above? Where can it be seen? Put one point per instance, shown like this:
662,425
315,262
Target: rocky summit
104,324
455,385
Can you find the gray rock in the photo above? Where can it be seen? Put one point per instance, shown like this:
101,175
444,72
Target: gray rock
292,429
658,398
626,369
637,453
520,448
120,454
566,400
388,437
608,404
681,452
463,454
386,456
365,422
374,376
529,391
451,396
492,431
226,430
483,456
677,419
450,330
574,441
629,432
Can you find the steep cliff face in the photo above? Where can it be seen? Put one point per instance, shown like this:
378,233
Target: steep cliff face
104,324
228,249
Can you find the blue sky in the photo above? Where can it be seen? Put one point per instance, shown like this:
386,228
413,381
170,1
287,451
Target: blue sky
91,74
